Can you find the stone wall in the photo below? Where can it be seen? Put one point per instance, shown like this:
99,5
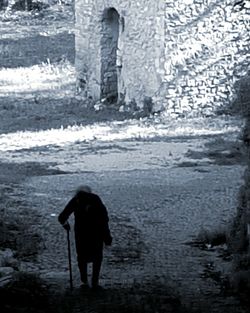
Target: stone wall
109,47
140,46
184,54
207,50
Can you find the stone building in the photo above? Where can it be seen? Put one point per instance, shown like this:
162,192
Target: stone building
184,55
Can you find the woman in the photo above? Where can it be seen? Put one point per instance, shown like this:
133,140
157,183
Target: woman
91,231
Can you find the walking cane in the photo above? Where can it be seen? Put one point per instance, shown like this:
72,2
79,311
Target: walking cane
70,265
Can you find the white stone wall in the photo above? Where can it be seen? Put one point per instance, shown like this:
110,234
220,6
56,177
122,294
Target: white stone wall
207,50
185,54
142,43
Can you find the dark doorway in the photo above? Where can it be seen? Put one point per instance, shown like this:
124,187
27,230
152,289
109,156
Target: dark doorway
109,43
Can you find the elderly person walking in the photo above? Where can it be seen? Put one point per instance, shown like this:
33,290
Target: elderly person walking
91,231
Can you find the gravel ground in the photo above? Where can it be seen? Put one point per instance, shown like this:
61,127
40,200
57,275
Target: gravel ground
156,205
152,214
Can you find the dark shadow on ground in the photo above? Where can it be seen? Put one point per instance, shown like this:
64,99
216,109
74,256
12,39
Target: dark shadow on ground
25,294
17,172
149,297
218,151
33,50
30,294
19,114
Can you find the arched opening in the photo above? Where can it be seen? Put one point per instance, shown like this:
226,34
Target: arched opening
109,44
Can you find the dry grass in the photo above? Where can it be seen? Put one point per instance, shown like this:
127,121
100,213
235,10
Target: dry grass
17,228
54,11
238,237
19,237
38,79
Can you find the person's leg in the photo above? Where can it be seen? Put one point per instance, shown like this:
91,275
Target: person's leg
83,268
81,260
96,271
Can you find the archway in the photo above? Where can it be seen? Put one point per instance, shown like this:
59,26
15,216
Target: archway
109,43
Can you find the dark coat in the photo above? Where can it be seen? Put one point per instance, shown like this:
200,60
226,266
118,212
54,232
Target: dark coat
91,225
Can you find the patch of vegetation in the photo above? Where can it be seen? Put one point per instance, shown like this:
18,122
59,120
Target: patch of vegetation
29,5
38,79
18,235
236,236
17,226
233,243
238,244
19,240
40,13
239,236
25,293
221,152
241,103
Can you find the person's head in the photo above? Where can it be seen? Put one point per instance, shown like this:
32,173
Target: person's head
83,188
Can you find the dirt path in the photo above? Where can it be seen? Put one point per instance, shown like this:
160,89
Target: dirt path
158,198
154,207
153,213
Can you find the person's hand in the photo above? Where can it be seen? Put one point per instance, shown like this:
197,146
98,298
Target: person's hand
66,226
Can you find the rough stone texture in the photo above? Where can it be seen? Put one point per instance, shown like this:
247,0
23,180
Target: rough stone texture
138,43
166,207
185,54
109,45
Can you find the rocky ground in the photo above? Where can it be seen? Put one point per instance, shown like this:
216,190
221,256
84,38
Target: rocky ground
162,193
154,213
